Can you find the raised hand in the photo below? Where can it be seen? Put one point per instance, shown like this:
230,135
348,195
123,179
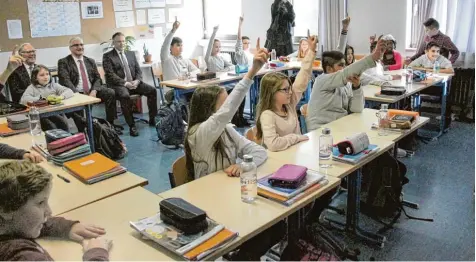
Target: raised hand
345,23
261,57
379,50
215,28
241,19
14,62
312,41
372,38
176,24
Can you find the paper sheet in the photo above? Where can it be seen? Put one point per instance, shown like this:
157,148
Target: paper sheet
140,17
122,5
156,16
175,12
157,3
91,10
141,3
124,19
14,29
174,2
145,32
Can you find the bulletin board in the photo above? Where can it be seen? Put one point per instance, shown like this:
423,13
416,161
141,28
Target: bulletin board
93,31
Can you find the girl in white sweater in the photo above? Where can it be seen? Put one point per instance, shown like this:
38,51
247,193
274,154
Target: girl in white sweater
212,143
276,118
41,87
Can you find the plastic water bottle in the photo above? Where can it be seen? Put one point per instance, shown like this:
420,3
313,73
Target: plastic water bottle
184,76
382,120
248,180
273,55
35,126
436,68
325,144
409,75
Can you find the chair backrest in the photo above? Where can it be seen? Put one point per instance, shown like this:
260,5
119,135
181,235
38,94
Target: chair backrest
303,110
102,74
157,69
358,57
179,174
195,62
251,135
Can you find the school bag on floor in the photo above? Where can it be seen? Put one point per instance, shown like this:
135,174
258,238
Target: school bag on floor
170,122
106,140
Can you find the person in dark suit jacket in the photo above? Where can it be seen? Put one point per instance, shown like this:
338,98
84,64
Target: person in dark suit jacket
20,79
80,74
123,74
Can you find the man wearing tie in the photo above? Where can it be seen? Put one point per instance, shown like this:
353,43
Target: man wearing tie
20,79
123,74
80,74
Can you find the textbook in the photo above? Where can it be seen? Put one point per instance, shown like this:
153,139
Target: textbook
291,201
312,178
93,168
353,159
190,247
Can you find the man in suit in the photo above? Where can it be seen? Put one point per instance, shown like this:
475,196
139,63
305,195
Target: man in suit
80,73
123,74
20,79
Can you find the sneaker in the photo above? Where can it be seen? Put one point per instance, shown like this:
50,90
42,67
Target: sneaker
152,122
133,131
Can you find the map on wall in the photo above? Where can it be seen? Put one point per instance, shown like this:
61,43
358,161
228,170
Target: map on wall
54,17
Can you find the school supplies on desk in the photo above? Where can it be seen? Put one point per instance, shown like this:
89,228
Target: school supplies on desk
190,247
353,159
288,176
9,108
94,168
18,122
7,131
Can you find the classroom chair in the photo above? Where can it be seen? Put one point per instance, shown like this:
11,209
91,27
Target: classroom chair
302,118
157,77
358,57
195,62
179,174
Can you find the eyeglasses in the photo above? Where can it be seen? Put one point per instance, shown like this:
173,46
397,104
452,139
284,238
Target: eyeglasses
28,52
285,90
77,45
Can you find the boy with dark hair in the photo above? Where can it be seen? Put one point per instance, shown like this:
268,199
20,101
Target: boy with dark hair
433,34
432,55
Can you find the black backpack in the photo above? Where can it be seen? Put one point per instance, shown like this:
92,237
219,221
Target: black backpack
170,123
381,193
106,140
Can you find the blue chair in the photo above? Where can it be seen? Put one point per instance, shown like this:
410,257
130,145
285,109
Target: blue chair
302,118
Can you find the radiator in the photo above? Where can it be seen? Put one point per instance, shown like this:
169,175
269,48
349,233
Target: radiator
462,91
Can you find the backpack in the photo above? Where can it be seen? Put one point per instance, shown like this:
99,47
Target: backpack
170,123
107,141
381,191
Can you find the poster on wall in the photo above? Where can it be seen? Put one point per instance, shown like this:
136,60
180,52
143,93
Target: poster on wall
58,18
145,32
141,3
157,3
125,19
156,16
14,29
91,10
140,17
122,5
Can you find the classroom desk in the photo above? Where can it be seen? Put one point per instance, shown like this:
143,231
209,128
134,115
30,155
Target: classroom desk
220,196
114,214
362,122
68,196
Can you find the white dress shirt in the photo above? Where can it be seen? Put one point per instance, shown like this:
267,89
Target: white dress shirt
79,87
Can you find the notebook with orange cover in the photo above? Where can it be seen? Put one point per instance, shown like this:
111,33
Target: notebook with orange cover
216,241
7,131
90,166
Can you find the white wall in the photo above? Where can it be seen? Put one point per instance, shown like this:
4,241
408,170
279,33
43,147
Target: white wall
257,19
378,17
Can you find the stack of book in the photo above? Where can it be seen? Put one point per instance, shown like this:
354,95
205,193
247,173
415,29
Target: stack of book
94,168
353,159
289,196
190,247
66,149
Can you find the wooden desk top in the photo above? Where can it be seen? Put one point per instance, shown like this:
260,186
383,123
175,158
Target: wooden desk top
77,100
220,196
114,214
370,91
307,153
69,196
362,122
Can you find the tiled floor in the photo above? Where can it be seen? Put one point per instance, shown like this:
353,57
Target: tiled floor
441,179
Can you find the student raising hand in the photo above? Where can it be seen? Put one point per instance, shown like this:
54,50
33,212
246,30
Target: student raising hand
260,58
346,23
176,25
379,50
312,42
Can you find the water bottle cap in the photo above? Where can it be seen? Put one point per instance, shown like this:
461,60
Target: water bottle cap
326,131
248,158
384,106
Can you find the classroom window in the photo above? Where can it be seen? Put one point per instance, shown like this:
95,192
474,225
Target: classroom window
307,17
224,13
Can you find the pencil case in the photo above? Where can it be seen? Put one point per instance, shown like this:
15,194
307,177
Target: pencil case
354,144
288,176
183,215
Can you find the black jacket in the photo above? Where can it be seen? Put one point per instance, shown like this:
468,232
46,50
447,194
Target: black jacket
114,70
68,73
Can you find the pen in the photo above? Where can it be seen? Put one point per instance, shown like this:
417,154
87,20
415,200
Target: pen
63,178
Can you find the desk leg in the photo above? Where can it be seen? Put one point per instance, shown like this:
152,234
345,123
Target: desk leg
89,122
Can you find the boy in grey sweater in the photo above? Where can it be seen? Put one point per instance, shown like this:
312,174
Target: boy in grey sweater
9,152
333,96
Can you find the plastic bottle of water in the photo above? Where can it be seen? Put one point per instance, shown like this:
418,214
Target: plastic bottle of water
248,180
35,126
409,75
436,68
325,144
184,77
382,120
273,55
